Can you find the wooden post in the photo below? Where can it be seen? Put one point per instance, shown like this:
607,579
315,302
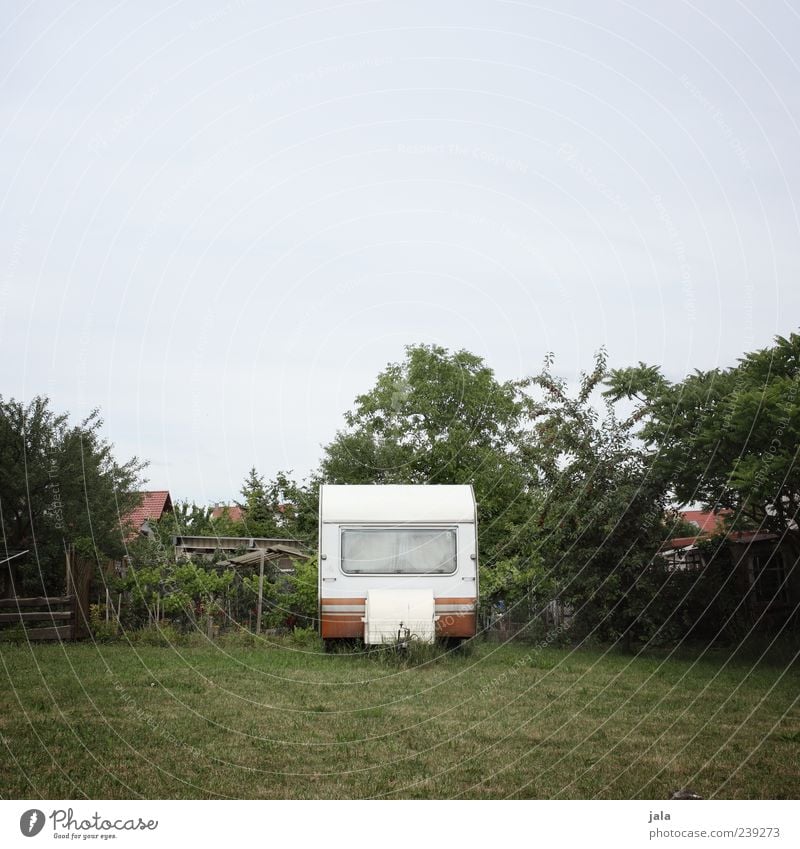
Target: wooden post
81,577
69,590
108,604
260,590
67,572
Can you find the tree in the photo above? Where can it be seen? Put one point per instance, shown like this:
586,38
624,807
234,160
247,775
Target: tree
727,437
279,507
598,516
438,418
59,485
258,514
185,518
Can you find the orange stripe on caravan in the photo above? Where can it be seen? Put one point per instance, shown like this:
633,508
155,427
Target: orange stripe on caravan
329,600
442,600
457,625
341,627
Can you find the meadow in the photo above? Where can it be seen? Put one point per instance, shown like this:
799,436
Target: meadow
247,719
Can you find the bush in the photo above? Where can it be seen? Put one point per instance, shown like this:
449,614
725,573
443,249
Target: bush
306,638
242,639
102,630
161,634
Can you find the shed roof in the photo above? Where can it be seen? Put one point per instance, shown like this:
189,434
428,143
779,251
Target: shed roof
397,503
272,553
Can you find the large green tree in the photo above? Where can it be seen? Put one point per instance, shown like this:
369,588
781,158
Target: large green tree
278,507
59,485
598,510
438,417
728,437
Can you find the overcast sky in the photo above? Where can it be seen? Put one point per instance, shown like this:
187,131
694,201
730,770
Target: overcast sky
219,221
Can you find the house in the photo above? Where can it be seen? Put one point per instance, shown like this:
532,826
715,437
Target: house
153,505
766,563
229,511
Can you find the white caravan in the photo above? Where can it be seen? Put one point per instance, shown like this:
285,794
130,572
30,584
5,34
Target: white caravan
397,562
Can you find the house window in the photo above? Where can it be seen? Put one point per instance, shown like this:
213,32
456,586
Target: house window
693,560
769,576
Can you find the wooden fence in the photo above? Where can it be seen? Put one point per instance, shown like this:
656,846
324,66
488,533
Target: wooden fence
62,617
43,618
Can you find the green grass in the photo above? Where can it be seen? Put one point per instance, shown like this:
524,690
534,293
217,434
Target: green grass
254,721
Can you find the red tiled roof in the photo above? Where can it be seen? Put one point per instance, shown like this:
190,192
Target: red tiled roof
152,506
707,522
742,537
235,513
679,542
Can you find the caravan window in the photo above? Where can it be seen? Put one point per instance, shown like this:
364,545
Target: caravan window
399,551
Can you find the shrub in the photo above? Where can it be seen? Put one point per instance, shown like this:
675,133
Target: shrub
102,630
160,634
306,638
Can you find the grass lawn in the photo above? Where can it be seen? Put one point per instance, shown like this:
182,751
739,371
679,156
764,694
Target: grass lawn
114,721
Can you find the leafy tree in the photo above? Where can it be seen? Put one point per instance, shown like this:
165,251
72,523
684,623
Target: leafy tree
59,485
438,418
302,599
256,505
185,518
181,592
289,600
279,507
727,437
598,515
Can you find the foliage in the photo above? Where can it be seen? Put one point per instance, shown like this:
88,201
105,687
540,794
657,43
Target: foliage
183,592
706,603
59,484
186,518
289,601
727,437
258,508
275,610
438,418
306,638
279,507
512,580
598,509
160,634
302,600
101,629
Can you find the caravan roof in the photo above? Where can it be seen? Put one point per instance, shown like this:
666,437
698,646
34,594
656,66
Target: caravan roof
397,503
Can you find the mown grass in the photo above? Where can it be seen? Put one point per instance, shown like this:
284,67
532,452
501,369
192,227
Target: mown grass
280,721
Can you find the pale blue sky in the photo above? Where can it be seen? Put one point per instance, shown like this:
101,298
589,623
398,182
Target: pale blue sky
218,222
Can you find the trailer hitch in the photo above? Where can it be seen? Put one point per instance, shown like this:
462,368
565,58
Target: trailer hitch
403,637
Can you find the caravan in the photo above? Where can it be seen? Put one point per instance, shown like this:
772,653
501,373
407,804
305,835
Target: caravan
397,563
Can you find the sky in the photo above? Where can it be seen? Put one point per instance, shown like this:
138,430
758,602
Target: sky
220,221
